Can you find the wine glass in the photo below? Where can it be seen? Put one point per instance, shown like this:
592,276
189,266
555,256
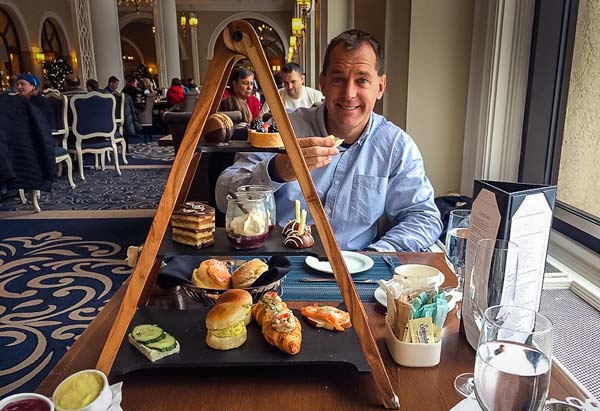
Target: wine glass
492,282
513,360
456,245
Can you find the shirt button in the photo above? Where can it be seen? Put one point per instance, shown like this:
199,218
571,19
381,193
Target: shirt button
328,210
336,182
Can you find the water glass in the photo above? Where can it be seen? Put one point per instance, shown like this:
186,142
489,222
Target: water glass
513,360
269,201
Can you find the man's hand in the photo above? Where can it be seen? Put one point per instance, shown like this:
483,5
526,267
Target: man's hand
317,152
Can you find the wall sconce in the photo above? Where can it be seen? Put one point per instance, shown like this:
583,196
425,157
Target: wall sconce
185,22
40,58
297,26
293,41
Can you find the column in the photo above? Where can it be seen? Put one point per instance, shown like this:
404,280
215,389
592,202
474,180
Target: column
106,39
83,23
195,54
167,44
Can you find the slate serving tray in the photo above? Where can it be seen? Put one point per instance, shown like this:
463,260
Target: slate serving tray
319,346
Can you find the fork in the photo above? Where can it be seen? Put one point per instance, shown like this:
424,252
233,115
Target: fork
332,280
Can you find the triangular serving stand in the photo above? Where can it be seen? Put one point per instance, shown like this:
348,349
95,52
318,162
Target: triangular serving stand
237,42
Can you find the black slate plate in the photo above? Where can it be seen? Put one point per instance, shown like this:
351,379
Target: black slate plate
319,346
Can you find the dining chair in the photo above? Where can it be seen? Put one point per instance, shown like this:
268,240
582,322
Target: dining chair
146,117
120,119
94,127
60,105
189,101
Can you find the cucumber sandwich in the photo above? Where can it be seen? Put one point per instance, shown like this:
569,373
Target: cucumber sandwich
153,341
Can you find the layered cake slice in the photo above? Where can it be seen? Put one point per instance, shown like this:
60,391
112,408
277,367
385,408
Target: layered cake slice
193,224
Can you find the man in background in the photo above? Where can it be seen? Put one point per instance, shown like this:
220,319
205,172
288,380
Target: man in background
113,85
294,93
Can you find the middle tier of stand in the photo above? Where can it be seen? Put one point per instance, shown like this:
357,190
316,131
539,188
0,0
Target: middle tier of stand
272,246
234,146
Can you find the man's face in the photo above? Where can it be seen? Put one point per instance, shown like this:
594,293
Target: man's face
25,89
243,87
113,85
351,87
292,83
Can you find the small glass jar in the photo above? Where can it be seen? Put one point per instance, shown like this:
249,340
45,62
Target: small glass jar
269,201
246,221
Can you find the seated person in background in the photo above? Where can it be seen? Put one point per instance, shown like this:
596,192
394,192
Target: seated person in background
92,85
241,85
175,92
294,93
148,86
12,85
72,82
131,88
378,171
28,87
113,85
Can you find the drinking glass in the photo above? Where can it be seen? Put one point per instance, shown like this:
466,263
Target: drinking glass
456,244
492,282
513,360
269,200
246,221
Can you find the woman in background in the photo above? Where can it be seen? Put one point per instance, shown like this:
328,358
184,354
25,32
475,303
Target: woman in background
241,99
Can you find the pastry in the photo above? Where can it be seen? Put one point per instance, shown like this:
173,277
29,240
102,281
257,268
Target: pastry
268,304
193,223
248,231
337,141
225,326
241,297
218,128
283,331
212,274
248,273
326,316
257,137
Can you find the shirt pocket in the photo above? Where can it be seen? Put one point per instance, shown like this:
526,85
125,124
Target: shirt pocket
368,196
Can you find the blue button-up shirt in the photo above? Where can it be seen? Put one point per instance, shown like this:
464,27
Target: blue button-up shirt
381,174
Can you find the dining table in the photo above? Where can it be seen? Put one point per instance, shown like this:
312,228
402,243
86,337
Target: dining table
309,387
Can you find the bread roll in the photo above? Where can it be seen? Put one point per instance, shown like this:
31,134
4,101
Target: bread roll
248,273
241,297
212,274
225,326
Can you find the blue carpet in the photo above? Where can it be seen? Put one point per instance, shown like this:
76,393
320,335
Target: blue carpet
140,153
101,190
55,276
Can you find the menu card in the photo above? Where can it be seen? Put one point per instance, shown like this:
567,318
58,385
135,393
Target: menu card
518,212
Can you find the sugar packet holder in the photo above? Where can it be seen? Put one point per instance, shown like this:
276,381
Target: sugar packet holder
411,354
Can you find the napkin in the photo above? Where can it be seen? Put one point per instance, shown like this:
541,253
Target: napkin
178,269
468,404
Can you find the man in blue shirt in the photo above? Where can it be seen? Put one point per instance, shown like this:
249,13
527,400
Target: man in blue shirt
377,172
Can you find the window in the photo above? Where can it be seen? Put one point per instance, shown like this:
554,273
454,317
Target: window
51,43
10,53
561,143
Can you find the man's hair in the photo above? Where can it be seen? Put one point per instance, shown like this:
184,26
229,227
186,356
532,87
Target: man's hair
92,85
131,77
112,79
291,66
175,81
351,40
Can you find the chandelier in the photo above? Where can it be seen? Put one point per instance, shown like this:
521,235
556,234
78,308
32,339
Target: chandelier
135,3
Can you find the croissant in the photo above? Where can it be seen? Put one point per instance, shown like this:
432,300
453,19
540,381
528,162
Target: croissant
266,306
284,332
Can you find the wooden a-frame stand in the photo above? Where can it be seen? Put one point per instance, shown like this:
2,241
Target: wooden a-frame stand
238,41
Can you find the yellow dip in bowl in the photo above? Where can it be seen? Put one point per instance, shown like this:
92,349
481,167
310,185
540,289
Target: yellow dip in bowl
78,391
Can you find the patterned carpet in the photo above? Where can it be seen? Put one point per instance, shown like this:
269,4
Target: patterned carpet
57,274
136,188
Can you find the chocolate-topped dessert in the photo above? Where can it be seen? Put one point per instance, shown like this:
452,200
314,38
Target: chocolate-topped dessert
291,226
296,240
218,128
193,223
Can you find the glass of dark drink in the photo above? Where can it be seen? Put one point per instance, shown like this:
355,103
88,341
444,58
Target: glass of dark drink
253,190
246,221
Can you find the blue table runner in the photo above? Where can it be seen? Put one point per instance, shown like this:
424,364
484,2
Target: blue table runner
295,290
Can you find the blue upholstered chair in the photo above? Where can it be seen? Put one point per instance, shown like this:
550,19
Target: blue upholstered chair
94,127
61,133
120,119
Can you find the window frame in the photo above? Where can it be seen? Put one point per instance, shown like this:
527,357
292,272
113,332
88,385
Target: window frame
553,40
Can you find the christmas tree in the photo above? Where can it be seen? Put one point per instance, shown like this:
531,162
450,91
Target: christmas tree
55,72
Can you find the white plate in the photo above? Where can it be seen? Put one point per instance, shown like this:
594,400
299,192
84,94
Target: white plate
356,263
381,298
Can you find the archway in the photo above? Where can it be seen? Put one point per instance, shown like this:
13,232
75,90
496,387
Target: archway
13,42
